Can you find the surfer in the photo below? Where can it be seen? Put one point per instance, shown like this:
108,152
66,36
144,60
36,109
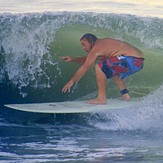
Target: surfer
116,59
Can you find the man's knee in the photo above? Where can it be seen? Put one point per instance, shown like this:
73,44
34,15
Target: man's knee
117,78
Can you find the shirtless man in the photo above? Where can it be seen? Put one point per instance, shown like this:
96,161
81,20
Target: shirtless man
117,60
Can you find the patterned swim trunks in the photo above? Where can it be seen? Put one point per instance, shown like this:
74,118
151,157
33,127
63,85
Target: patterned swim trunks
122,66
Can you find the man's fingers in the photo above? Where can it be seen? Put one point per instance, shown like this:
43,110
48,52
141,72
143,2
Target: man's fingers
67,87
66,58
64,90
62,58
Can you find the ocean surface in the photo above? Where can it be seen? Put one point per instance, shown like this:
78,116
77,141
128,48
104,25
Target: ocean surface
33,35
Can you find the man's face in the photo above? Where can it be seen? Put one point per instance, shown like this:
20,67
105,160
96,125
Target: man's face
86,45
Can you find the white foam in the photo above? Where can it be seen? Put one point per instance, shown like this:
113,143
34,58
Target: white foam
147,116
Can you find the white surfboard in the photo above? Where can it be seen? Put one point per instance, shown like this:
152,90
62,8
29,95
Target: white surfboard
73,106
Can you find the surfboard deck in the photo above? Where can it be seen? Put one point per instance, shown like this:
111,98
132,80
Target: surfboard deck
73,106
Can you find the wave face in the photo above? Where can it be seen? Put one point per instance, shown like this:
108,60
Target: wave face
31,45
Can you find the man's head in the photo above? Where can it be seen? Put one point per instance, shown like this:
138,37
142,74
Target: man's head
87,41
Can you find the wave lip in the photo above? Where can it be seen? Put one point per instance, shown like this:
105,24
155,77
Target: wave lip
146,8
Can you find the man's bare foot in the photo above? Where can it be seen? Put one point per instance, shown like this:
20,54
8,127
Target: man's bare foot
125,97
97,101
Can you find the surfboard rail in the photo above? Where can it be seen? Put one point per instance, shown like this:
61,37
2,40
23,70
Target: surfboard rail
73,106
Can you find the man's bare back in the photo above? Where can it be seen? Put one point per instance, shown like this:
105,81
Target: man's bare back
109,47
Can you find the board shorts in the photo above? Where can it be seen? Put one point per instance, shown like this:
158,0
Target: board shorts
122,66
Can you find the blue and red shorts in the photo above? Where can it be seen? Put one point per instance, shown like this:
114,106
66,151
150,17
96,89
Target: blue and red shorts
122,66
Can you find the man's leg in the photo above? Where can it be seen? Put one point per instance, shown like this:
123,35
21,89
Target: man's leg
101,84
121,85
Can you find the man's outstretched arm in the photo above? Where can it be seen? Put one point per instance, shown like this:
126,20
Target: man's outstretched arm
79,60
90,60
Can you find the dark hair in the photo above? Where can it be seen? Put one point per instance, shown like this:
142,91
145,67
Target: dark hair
90,38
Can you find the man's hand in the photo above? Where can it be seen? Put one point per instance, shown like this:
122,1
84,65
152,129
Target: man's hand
67,58
67,86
